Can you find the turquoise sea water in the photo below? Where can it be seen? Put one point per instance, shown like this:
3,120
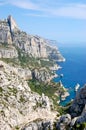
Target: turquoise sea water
73,69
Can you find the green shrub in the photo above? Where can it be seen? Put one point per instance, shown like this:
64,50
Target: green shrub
12,90
1,89
22,99
48,89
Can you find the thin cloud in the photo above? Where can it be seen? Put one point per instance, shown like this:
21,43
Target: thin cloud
77,11
74,11
50,9
37,15
24,4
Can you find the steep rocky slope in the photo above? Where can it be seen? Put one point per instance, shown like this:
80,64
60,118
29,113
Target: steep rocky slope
76,119
18,104
25,60
30,51
33,45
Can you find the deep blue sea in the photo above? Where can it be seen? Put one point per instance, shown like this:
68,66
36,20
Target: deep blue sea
73,69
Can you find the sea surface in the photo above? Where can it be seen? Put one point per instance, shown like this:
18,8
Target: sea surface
73,69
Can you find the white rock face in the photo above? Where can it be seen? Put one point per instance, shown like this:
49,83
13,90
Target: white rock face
32,45
5,35
41,74
54,53
24,73
8,52
12,23
18,104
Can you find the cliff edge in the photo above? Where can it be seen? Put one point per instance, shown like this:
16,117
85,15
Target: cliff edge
28,98
35,46
76,117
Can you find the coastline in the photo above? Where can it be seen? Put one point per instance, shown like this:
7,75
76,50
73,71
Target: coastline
57,67
73,69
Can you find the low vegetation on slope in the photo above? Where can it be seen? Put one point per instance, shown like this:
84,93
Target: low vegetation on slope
51,89
25,60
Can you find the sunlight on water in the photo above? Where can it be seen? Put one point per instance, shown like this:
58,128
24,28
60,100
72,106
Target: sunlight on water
74,69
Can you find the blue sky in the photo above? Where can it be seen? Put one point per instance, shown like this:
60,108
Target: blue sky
61,20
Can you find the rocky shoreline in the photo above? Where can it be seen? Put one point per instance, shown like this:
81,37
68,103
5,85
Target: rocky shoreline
28,97
24,57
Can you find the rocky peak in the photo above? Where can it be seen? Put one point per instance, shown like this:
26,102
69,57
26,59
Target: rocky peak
5,35
35,46
76,120
79,102
12,23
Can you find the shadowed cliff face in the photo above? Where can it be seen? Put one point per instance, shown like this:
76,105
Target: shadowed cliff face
76,119
12,24
33,45
79,103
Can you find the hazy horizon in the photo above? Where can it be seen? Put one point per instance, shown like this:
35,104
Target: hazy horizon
62,21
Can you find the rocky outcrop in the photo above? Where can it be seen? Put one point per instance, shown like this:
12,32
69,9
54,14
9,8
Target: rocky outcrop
39,125
33,45
5,35
77,113
42,75
8,52
18,104
66,122
20,108
25,74
54,53
12,24
79,103
13,41
63,122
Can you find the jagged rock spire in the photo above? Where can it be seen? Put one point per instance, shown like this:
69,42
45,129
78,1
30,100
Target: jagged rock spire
12,23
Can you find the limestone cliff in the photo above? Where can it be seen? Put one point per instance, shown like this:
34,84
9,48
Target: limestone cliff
42,75
79,104
12,39
8,52
29,57
76,119
54,53
23,109
12,24
5,35
20,106
33,45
